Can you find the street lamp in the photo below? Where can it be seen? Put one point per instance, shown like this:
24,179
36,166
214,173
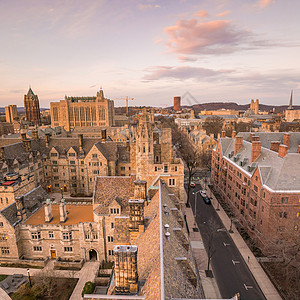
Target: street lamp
62,192
29,278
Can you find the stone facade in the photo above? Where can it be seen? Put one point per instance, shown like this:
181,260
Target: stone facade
82,112
257,176
11,113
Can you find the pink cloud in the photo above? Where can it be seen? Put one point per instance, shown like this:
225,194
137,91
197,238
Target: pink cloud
186,58
182,73
263,3
201,14
213,37
158,41
224,13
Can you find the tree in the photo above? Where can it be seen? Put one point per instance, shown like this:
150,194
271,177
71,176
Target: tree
213,125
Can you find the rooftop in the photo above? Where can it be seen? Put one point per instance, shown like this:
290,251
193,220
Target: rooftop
76,214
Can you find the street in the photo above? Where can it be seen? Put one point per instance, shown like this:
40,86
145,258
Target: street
230,270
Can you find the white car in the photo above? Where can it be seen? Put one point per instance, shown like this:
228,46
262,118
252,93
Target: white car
203,193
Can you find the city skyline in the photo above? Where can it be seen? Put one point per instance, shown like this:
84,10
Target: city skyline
220,50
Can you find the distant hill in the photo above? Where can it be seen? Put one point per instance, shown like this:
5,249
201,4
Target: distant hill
20,109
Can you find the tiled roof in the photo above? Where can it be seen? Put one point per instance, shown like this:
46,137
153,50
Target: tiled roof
109,188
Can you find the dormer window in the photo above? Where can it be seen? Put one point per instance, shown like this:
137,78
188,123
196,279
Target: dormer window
71,154
114,211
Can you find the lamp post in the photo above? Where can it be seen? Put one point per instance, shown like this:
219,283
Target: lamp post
62,192
29,278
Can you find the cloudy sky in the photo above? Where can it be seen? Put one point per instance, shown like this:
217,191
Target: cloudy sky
151,50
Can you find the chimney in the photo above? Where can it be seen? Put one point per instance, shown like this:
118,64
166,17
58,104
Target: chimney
47,135
35,134
62,211
251,137
255,138
140,189
238,143
23,136
126,275
223,134
80,137
283,150
26,142
21,211
275,146
136,214
298,149
233,134
2,154
103,135
255,150
48,211
287,140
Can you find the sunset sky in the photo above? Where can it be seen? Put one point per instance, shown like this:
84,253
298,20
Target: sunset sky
218,50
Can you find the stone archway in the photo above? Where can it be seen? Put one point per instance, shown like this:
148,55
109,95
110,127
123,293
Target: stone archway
93,255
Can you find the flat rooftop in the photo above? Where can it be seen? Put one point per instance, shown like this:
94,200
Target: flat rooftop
76,214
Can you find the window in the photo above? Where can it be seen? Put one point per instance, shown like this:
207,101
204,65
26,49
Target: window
171,181
56,177
68,249
284,200
283,214
54,162
55,170
96,172
3,237
56,184
4,250
166,169
175,168
94,155
73,170
53,154
67,235
122,168
51,235
1,224
112,225
95,235
82,170
114,211
110,252
72,162
155,169
37,248
36,235
110,239
255,188
71,154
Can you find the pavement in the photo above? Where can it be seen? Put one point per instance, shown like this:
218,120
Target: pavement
258,273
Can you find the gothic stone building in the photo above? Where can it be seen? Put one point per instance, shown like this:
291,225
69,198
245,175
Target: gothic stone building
258,177
82,112
32,108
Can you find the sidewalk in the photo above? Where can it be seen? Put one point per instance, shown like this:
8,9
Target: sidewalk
209,285
259,274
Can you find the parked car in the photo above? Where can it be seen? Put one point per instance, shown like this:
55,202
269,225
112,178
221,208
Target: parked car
203,193
206,200
192,184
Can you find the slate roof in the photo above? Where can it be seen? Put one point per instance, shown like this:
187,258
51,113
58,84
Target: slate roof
32,201
277,173
109,188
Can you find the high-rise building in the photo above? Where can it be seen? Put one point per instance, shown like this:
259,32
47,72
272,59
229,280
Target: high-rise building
254,106
177,101
32,108
10,113
83,112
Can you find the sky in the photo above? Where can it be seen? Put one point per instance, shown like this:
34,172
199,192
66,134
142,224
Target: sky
150,50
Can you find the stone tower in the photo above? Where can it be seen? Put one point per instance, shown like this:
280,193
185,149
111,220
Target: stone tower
291,102
144,145
32,108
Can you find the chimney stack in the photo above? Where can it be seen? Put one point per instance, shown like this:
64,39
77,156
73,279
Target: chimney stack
47,135
103,135
251,136
255,150
283,150
126,275
48,211
140,189
233,134
62,211
21,211
26,142
136,214
298,149
80,137
238,143
35,134
255,138
223,134
275,146
287,140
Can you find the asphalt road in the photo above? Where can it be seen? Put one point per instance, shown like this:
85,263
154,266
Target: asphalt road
230,270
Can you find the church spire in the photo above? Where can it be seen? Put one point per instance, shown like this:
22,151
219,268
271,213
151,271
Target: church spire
291,101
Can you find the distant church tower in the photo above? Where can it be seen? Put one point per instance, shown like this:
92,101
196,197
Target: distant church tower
291,102
32,108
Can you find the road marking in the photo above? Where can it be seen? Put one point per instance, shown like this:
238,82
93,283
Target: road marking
221,229
248,287
225,244
235,262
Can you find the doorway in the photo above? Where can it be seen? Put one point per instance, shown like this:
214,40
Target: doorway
93,255
53,254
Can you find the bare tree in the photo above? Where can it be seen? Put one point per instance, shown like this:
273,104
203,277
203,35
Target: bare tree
213,125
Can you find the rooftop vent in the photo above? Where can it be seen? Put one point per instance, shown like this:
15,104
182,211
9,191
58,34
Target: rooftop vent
167,234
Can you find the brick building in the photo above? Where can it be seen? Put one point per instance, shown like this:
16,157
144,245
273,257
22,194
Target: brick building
84,112
258,177
32,108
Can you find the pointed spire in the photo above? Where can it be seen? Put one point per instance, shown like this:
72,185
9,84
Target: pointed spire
291,101
30,92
